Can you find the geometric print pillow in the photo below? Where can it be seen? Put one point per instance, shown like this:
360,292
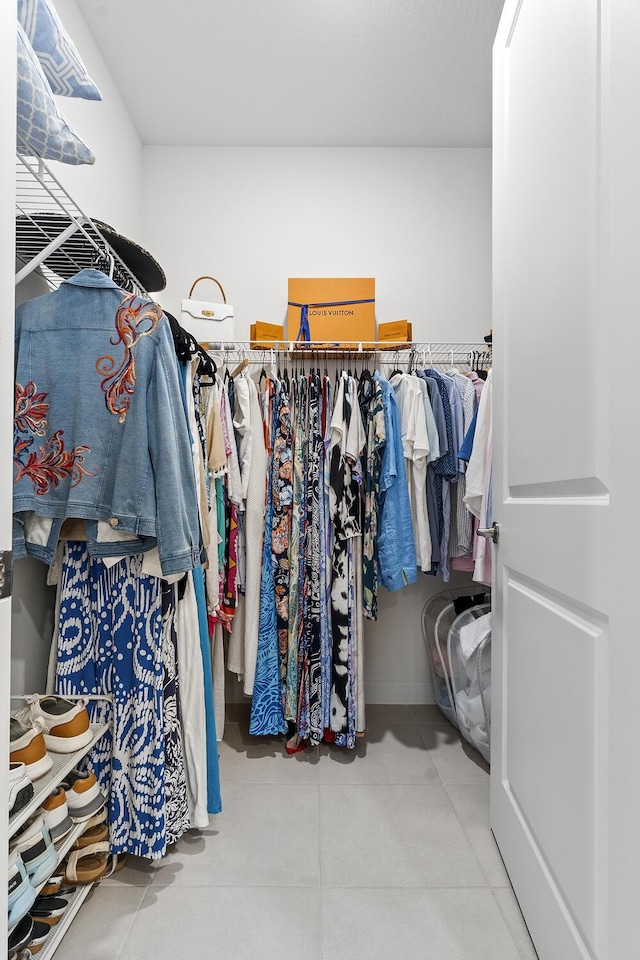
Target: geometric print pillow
61,62
41,127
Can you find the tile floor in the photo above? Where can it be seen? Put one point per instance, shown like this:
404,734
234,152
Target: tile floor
377,853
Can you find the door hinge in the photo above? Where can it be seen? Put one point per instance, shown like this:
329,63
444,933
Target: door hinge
6,573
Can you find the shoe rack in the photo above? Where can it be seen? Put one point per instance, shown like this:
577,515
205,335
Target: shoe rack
63,763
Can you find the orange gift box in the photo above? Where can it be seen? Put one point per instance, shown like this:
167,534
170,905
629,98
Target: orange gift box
266,335
332,314
397,331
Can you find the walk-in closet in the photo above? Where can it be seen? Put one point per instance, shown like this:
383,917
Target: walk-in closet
318,369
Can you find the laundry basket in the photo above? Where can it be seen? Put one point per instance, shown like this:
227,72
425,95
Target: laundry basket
469,658
438,616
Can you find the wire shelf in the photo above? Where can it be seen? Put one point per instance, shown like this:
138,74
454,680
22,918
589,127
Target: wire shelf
418,354
53,232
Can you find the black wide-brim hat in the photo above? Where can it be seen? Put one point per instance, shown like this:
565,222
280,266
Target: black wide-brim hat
36,230
137,259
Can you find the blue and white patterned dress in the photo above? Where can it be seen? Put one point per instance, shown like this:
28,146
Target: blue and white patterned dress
110,642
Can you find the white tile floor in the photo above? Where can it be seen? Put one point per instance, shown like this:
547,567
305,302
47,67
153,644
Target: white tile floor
381,852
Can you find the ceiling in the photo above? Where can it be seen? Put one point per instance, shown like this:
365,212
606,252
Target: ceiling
301,72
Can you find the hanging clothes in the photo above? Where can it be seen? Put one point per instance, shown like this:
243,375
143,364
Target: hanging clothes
478,493
176,801
415,448
372,410
194,718
397,565
347,442
267,716
110,642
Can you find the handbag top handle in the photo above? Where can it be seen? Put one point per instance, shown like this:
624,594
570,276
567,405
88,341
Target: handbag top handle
206,277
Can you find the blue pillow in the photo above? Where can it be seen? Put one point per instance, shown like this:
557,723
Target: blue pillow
61,62
41,127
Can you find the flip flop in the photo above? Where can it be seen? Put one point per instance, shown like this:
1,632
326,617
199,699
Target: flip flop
89,864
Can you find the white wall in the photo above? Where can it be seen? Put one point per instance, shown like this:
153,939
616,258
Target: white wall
109,189
419,220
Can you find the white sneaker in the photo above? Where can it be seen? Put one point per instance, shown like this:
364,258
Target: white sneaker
20,788
55,813
27,746
84,797
65,723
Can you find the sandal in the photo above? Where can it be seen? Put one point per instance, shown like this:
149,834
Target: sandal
98,819
93,835
89,864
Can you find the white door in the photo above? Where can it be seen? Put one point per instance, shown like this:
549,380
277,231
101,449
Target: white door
7,231
565,801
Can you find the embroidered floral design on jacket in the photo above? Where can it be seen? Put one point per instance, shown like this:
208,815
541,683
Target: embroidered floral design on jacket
50,463
31,410
118,384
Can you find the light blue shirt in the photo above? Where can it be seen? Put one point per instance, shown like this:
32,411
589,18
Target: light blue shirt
397,565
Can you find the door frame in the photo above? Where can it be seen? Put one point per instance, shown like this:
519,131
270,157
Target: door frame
8,17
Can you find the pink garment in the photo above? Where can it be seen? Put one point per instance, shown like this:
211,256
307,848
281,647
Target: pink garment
462,564
477,382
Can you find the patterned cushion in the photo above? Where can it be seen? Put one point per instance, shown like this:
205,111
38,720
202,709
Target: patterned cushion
41,127
60,60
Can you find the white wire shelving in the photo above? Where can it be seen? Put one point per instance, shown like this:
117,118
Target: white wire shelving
415,355
54,234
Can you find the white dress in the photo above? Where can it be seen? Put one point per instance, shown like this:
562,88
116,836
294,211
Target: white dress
254,527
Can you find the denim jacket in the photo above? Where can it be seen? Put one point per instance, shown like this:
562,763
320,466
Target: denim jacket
100,429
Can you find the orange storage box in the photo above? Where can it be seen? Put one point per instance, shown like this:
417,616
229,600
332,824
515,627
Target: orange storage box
336,309
266,335
397,331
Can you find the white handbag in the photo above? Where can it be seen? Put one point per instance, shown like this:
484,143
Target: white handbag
208,322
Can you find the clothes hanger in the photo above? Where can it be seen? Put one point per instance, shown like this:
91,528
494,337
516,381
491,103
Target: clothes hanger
181,341
397,369
207,365
244,363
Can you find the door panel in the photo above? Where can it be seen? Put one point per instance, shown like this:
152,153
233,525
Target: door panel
551,655
551,477
551,155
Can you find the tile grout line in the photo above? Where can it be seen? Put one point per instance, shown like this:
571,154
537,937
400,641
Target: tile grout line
467,837
314,886
488,887
120,950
